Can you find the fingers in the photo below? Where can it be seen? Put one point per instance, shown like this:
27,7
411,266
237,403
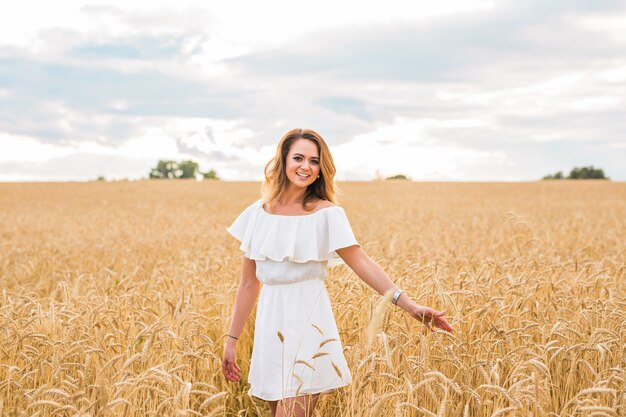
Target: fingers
231,376
444,325
231,370
234,370
431,317
439,321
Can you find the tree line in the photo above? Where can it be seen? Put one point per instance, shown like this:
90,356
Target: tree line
168,169
582,173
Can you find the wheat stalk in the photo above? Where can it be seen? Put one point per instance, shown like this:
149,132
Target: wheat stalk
377,316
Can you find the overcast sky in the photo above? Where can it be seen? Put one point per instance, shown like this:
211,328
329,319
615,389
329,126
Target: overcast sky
469,90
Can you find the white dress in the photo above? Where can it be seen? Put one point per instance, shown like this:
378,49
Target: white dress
292,254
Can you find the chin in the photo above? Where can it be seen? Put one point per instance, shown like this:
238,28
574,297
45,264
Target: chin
300,185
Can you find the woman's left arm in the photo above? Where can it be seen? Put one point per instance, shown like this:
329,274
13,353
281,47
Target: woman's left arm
369,271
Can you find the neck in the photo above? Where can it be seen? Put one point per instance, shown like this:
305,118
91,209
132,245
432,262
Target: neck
293,195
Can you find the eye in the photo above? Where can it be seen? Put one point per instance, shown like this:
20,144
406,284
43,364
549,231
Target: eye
297,158
315,162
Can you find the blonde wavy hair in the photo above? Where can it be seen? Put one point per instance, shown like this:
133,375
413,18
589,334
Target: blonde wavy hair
276,179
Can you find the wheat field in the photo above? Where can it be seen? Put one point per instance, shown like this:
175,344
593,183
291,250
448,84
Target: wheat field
116,297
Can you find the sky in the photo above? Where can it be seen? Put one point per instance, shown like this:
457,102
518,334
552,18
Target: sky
459,90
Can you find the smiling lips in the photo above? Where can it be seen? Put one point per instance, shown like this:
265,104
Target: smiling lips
302,175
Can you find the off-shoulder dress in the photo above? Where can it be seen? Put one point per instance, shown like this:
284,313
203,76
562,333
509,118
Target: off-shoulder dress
297,348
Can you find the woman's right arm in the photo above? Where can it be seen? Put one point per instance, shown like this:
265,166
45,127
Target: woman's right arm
373,274
247,293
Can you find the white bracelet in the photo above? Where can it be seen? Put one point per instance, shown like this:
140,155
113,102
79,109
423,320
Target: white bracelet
396,295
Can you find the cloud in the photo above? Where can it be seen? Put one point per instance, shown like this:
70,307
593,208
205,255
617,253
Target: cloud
138,48
77,166
365,155
64,103
510,36
195,151
346,105
490,90
147,92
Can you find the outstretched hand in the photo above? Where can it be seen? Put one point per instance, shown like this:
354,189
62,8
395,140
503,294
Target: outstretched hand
231,370
430,317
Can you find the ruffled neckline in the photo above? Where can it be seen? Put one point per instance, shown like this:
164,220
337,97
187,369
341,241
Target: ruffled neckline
299,238
295,215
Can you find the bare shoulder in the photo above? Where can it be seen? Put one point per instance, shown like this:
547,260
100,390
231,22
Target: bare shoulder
320,204
324,204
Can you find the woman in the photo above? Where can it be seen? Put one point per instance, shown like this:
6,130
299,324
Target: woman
289,239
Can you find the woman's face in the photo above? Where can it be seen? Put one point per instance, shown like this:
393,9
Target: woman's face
302,158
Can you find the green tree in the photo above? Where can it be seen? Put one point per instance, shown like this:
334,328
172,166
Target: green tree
210,175
584,173
398,177
165,170
168,169
557,176
189,169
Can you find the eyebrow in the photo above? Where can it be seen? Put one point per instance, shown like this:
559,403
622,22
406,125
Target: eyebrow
313,157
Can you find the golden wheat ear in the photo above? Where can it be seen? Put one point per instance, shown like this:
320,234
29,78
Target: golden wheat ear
336,369
318,329
304,363
327,341
378,315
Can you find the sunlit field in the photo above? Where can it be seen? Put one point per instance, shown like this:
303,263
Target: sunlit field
116,298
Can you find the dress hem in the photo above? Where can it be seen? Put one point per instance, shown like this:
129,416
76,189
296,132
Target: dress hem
280,397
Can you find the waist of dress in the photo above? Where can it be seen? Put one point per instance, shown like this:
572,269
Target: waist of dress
294,282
